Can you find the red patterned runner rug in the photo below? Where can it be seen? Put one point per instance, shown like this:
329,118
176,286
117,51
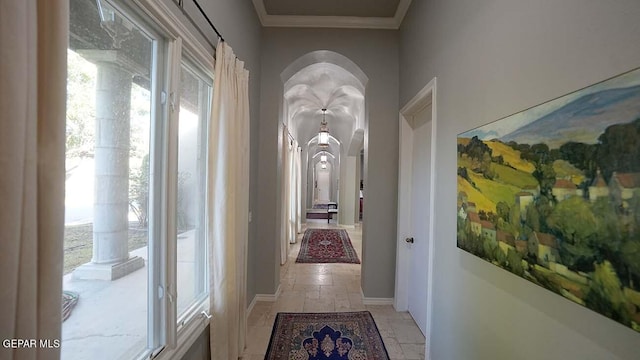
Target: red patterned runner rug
327,246
327,336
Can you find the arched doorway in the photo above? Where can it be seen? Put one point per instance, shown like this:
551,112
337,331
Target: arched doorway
322,87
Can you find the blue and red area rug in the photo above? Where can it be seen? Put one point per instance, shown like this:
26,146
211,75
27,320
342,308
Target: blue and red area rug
327,246
326,336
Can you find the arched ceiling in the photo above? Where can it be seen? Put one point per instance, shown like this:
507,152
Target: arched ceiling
324,85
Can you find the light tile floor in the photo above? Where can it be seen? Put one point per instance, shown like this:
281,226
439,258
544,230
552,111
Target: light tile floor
326,288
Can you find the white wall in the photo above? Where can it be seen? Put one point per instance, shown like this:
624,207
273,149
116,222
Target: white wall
376,53
494,58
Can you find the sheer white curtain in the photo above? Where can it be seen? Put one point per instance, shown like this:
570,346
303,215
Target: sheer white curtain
286,195
33,69
293,196
298,189
228,204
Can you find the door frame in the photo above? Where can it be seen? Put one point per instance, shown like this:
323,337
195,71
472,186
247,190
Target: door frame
425,97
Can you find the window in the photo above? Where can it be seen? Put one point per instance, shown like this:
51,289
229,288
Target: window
135,272
195,100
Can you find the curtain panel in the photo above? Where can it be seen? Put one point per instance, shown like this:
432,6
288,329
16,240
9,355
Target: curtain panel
298,189
228,204
33,49
285,195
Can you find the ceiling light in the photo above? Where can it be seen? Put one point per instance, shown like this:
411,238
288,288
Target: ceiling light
323,158
323,135
324,166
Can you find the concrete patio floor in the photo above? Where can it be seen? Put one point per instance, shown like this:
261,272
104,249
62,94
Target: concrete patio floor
110,318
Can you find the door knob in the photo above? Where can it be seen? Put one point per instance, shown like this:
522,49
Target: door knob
409,240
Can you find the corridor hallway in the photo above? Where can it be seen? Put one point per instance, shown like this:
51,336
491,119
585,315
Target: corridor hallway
312,288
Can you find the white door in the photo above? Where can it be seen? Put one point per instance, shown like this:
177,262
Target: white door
324,183
416,208
420,200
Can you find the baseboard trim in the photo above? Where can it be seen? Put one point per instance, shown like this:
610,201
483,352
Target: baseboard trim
268,297
375,301
251,305
263,297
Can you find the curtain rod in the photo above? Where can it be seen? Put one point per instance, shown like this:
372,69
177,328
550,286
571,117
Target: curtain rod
181,6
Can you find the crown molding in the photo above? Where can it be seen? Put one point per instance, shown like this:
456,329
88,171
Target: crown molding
344,22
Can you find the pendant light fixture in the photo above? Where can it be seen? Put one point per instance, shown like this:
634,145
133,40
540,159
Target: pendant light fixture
323,135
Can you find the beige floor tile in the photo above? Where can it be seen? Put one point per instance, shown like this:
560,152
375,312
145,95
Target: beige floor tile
303,288
315,279
252,357
327,288
259,340
393,347
407,332
319,305
413,351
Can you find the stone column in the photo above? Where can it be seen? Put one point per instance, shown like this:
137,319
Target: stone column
111,258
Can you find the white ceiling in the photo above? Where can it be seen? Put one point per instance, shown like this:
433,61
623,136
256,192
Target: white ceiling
324,85
362,14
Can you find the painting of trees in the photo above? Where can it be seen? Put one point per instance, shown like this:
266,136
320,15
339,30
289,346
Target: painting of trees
553,196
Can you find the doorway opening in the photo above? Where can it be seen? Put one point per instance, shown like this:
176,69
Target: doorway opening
416,206
321,90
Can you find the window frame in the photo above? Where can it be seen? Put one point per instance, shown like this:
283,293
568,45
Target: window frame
158,312
182,45
197,70
174,45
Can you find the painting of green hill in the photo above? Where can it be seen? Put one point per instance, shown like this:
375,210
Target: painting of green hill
475,196
495,190
510,176
510,156
552,194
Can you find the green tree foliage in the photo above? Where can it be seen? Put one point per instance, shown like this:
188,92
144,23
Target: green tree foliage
491,251
573,219
476,149
80,122
577,226
631,257
523,148
500,256
514,262
537,153
605,294
471,242
546,177
610,231
532,218
498,159
480,155
503,210
485,166
582,156
619,149
515,216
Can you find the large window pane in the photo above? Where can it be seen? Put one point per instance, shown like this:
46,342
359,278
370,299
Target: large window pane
191,245
107,222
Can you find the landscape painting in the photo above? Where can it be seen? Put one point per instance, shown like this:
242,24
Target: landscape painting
552,194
